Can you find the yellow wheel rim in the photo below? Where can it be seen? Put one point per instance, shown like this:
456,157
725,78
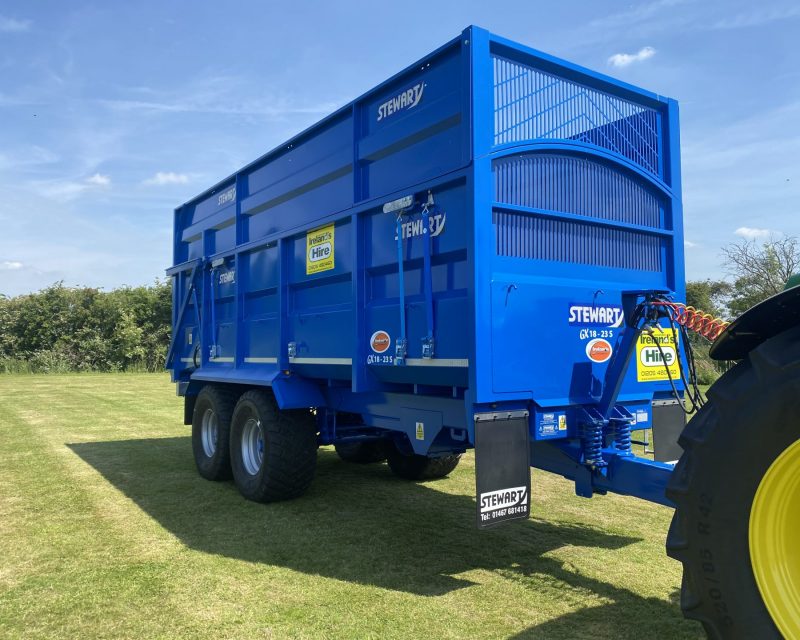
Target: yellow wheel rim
775,541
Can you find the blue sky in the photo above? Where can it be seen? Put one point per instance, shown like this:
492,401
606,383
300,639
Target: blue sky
112,114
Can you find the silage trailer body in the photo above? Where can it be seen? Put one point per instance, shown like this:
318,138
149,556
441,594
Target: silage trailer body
453,246
486,251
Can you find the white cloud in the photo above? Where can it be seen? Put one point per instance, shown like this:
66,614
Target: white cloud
10,265
167,177
749,233
689,244
69,189
99,180
625,59
12,25
757,18
214,94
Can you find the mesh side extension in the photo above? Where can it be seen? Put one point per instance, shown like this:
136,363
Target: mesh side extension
574,185
531,104
541,238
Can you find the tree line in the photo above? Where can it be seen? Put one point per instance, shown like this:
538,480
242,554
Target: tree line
62,329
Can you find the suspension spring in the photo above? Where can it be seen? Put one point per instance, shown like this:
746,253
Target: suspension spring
592,441
622,435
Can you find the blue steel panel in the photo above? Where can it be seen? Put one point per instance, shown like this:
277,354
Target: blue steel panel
191,250
224,237
221,197
305,159
262,267
261,340
415,127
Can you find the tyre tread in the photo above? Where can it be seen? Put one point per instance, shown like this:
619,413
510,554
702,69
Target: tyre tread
291,451
765,367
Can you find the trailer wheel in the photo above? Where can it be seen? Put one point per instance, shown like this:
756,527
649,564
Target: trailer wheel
211,421
737,493
273,452
416,467
362,452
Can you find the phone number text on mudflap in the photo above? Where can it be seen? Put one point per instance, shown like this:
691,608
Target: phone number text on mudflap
507,511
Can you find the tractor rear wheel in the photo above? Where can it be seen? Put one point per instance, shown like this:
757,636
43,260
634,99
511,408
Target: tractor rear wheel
362,452
737,493
273,452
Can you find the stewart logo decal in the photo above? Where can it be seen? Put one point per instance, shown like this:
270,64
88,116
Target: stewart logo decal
595,315
503,498
414,228
403,101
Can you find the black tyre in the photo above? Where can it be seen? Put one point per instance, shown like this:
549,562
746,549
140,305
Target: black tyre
751,419
273,452
211,422
416,467
362,452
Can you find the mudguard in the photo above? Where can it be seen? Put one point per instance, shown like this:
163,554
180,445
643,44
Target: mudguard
762,322
294,392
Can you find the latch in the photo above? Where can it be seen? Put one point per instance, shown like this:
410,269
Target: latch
400,351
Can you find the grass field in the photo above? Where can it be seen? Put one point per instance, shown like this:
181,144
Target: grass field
108,532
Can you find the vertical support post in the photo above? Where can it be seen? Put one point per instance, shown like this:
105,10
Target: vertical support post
283,298
401,346
212,353
238,285
359,307
427,279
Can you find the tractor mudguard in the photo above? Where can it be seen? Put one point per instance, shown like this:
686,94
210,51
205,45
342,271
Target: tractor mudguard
758,324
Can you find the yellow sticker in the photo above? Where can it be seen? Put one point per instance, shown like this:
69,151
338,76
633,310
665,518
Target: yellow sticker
420,431
562,422
652,362
320,249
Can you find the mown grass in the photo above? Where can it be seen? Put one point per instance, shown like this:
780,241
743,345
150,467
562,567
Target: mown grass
108,532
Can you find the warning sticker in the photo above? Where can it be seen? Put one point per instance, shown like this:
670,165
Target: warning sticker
320,249
551,425
651,361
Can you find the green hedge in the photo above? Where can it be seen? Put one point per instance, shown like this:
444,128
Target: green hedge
62,329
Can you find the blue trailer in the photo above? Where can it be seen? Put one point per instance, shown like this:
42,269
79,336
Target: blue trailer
481,252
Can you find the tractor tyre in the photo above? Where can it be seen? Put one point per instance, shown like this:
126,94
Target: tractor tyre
273,452
416,467
737,494
211,422
362,452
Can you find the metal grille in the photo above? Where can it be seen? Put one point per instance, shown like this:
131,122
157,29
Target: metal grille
542,238
574,185
530,104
